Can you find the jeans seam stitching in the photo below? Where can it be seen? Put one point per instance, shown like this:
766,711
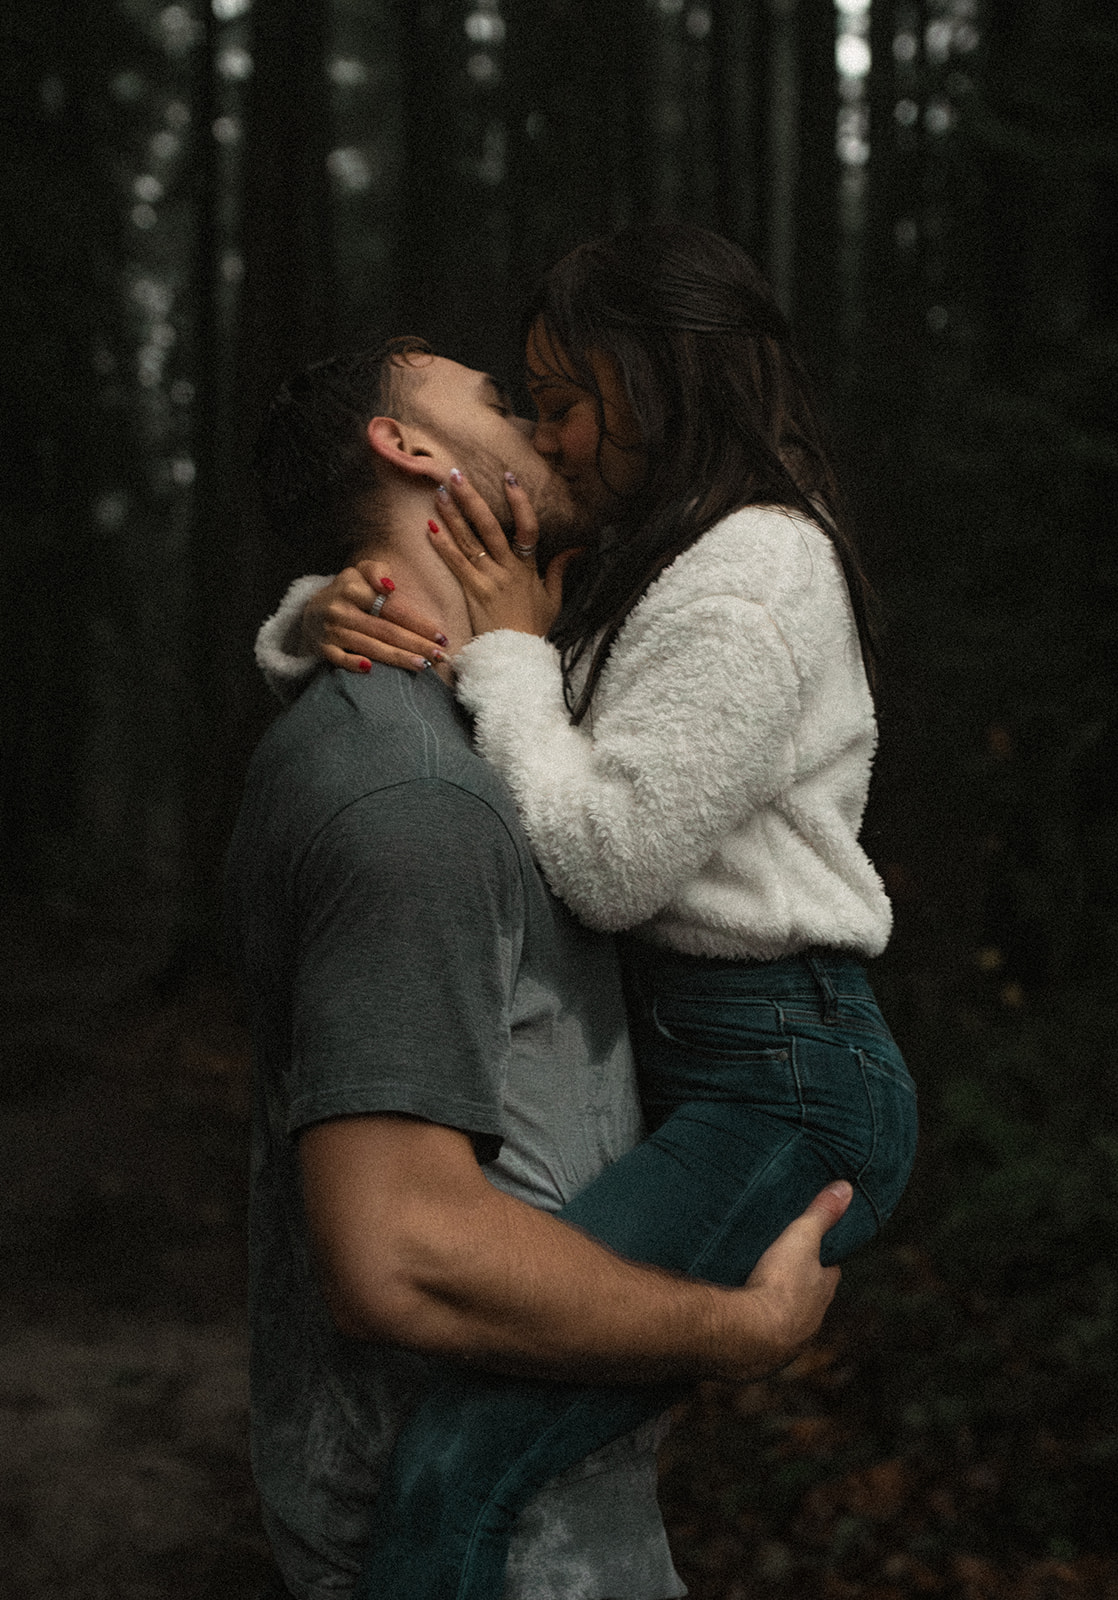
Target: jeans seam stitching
858,1181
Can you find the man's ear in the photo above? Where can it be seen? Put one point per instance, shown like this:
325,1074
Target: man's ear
403,447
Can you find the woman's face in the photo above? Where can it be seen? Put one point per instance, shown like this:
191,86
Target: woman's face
600,466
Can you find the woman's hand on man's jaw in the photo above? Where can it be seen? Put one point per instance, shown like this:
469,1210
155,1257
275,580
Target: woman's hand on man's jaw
497,574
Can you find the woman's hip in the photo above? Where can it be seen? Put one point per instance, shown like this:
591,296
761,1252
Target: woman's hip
800,1043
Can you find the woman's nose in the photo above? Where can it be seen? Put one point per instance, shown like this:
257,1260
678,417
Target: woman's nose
543,438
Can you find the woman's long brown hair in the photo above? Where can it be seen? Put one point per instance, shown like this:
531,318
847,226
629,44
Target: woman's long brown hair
723,406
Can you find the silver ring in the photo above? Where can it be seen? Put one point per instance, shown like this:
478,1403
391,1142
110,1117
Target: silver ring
378,605
525,552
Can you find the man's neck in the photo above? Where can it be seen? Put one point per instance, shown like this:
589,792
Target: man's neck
403,552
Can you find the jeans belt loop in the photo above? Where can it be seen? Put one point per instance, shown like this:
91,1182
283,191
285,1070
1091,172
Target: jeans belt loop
826,988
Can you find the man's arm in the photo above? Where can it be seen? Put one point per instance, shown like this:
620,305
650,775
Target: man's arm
418,1248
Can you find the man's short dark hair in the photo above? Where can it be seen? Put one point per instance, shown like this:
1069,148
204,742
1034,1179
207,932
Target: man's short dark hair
313,460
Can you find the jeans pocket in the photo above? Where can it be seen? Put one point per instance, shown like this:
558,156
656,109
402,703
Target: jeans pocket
724,1029
691,1050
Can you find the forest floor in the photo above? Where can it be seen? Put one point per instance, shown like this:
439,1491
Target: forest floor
123,1143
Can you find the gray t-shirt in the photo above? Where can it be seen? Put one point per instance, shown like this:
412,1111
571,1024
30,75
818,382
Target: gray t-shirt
404,955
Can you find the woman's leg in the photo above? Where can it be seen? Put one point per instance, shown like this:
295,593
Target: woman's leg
479,1448
705,1194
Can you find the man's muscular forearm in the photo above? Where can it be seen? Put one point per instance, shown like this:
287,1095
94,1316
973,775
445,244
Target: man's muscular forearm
419,1248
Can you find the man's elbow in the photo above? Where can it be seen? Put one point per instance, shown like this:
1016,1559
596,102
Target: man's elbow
390,1252
401,1293
385,1306
383,1311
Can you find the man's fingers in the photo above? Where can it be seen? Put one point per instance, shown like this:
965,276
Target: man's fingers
831,1204
801,1239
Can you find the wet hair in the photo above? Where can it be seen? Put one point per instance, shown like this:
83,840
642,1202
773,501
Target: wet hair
314,466
723,406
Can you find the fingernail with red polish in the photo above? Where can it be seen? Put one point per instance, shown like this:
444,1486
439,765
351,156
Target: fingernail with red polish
456,475
441,638
386,583
434,527
364,666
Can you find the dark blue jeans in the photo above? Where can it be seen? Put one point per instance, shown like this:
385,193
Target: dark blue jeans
761,1083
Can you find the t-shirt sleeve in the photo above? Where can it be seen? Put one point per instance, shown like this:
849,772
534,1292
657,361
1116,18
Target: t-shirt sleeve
409,906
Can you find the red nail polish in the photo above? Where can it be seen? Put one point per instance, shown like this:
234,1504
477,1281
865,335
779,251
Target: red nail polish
441,638
364,666
386,583
434,527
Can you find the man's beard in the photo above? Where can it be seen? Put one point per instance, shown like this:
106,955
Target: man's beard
561,523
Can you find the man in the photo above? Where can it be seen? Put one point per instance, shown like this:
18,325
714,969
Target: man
442,1053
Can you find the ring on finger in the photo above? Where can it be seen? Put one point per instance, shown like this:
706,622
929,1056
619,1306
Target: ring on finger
525,552
378,605
477,555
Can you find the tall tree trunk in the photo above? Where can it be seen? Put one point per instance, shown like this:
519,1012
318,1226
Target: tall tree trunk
815,298
738,59
285,321
782,148
65,448
452,262
210,712
577,163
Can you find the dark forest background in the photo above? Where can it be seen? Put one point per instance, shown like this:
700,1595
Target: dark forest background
196,200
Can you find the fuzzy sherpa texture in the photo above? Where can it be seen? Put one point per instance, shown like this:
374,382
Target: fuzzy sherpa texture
276,648
712,801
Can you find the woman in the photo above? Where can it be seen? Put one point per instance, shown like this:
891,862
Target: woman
690,750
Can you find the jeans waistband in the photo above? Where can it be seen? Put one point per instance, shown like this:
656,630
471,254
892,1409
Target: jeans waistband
819,974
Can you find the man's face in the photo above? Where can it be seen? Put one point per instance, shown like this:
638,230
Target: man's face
469,416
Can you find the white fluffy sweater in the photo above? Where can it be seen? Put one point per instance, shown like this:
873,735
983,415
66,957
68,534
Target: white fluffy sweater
711,803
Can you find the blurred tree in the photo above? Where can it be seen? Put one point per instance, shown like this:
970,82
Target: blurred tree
285,318
987,452
77,464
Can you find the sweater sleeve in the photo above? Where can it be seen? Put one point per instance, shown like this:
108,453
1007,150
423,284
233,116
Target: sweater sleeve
693,730
286,672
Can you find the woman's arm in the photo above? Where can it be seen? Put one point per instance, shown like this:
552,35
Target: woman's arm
347,621
692,731
279,649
